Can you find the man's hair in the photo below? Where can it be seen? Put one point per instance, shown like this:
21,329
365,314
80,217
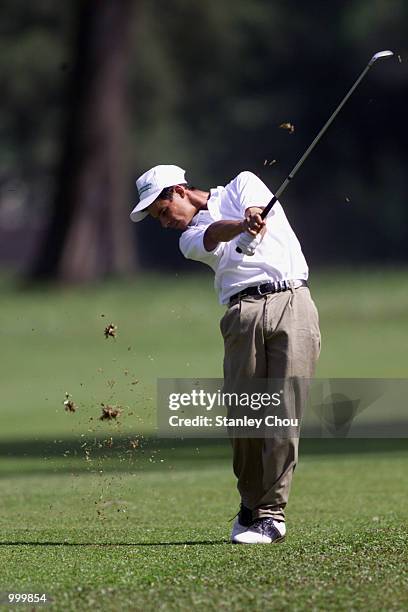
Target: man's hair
167,193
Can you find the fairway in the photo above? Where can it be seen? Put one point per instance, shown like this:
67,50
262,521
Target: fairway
156,538
101,515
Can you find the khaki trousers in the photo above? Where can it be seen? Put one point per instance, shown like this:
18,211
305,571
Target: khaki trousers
272,336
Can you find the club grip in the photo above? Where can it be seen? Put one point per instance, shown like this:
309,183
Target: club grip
268,207
264,213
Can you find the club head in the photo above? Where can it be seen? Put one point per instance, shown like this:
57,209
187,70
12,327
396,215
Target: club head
381,55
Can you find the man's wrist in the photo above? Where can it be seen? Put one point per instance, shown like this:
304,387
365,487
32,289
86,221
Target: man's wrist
242,227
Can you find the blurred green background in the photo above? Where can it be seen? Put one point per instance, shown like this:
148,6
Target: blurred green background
93,94
54,343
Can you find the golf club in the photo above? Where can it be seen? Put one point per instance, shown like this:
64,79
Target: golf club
245,240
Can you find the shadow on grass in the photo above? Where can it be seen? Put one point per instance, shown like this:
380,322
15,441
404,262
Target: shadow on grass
121,446
90,455
109,544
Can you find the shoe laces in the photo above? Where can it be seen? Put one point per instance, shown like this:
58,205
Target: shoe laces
264,525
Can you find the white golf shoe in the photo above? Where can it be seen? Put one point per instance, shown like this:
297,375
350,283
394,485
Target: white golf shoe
242,522
262,531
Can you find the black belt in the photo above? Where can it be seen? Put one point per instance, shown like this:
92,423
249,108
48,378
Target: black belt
270,287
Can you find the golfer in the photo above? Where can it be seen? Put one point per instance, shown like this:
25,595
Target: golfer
270,327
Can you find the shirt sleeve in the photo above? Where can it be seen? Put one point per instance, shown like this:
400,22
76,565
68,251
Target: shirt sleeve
192,246
248,190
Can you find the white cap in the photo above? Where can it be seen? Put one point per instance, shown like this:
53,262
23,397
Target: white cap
151,184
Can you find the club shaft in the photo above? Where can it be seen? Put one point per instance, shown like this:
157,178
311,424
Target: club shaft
306,154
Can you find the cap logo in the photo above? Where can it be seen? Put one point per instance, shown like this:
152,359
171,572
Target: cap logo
144,188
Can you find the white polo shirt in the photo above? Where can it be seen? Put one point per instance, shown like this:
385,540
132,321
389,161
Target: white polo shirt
278,257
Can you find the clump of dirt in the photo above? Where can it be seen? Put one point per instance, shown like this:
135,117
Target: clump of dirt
110,413
69,404
288,126
110,331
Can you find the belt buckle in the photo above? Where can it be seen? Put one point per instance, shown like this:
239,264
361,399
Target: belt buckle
267,291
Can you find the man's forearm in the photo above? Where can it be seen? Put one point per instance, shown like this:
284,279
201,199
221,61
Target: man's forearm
222,231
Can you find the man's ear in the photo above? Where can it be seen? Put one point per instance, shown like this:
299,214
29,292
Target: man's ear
180,190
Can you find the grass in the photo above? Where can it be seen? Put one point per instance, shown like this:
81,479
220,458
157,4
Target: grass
147,528
156,538
53,343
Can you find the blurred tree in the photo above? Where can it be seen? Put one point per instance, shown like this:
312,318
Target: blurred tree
88,236
211,82
34,39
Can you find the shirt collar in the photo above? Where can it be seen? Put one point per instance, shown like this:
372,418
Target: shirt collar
213,205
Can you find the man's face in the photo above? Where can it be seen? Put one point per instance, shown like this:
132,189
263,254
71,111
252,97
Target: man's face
176,213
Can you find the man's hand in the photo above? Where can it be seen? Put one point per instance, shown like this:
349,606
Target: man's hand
255,228
253,222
